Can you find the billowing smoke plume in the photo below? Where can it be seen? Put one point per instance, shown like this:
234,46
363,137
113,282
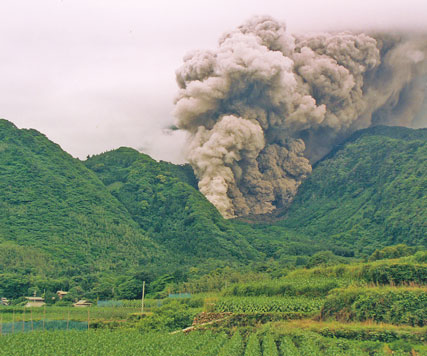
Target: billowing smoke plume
265,105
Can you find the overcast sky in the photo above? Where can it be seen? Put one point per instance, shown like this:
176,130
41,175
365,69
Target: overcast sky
97,75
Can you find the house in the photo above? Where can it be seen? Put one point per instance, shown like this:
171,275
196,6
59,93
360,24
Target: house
4,301
34,302
82,303
61,294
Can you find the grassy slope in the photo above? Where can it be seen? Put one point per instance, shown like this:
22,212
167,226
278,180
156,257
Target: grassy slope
369,192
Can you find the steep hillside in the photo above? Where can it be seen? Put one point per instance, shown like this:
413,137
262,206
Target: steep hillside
57,217
369,192
162,198
120,217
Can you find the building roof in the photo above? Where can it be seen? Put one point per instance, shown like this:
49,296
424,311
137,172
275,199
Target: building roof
35,299
82,303
34,304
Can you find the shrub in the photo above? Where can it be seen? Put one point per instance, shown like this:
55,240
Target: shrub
169,317
395,251
386,304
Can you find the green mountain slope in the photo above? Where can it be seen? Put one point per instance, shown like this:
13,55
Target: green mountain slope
369,192
120,217
57,217
162,198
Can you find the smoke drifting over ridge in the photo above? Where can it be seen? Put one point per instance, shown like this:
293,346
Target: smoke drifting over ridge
265,105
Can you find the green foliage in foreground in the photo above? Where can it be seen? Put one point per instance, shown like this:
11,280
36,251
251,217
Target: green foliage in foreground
400,305
131,343
260,325
354,330
115,343
287,347
269,347
233,347
253,347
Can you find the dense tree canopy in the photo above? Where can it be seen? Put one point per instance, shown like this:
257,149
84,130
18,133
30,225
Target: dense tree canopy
99,228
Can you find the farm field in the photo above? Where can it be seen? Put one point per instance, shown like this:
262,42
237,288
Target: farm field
18,314
268,304
133,343
373,308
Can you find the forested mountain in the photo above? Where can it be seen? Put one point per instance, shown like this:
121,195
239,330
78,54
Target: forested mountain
62,227
56,215
163,199
368,192
105,224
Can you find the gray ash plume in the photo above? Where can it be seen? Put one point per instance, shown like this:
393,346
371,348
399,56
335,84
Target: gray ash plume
265,105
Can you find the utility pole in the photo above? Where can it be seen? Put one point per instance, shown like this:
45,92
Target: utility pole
142,299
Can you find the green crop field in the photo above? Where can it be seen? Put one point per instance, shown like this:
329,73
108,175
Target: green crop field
9,314
371,308
93,343
268,304
132,343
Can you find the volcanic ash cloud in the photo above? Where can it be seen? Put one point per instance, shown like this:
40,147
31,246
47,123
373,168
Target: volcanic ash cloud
265,104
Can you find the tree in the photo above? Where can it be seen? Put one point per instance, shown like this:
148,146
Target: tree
395,251
323,258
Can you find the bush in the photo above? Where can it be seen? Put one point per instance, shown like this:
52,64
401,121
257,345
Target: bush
388,305
420,257
312,286
323,258
395,251
406,270
394,273
171,316
64,303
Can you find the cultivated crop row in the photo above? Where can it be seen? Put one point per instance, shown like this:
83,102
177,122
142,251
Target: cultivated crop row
268,304
131,343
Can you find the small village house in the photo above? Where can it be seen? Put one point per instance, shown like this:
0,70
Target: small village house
82,303
34,302
61,294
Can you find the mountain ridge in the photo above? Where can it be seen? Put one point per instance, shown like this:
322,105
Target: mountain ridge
121,216
369,169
